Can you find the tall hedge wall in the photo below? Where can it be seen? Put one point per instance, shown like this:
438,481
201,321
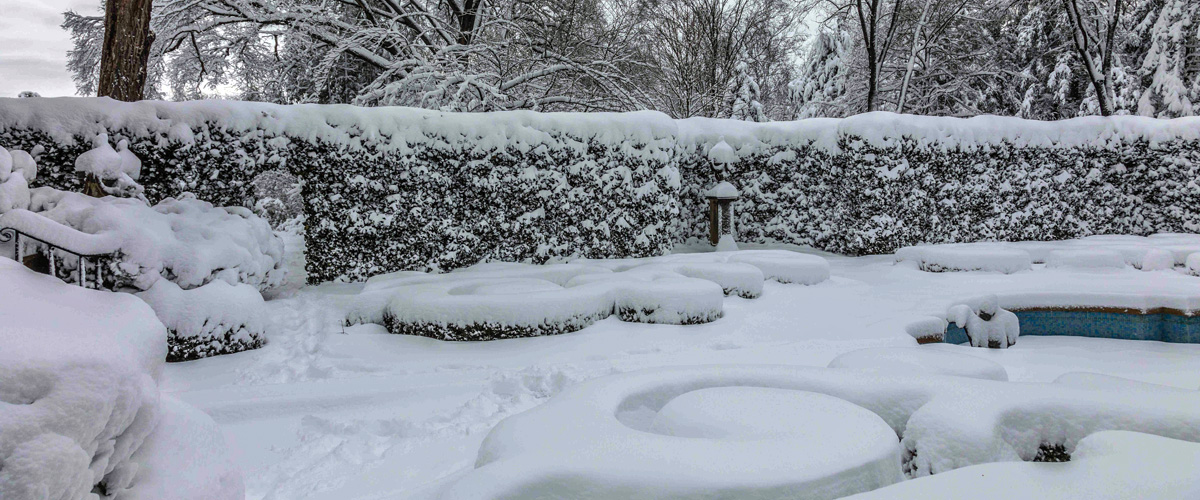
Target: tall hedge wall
394,188
873,183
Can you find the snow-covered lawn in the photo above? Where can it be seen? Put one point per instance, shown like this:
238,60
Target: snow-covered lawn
332,412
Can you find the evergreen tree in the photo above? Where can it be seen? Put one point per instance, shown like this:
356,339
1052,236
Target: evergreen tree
743,98
1172,64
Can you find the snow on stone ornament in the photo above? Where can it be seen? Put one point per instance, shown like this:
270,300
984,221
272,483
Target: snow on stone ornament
991,327
720,199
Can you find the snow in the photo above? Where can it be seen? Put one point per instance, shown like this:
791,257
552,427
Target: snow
1090,258
185,458
924,360
591,440
1193,264
188,241
1148,253
78,385
722,191
327,411
966,257
1114,465
211,319
721,154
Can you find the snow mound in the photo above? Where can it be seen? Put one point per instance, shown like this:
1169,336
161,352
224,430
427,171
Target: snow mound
78,390
1096,258
1193,264
494,308
16,171
647,295
593,440
923,360
1088,380
1110,465
742,280
217,318
966,257
987,325
187,241
784,266
185,458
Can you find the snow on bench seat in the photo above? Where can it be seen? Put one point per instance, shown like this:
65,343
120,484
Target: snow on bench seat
966,257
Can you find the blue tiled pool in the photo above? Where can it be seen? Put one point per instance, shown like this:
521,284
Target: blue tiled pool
1163,327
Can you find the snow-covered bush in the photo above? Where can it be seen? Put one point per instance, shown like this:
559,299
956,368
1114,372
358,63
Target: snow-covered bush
78,390
17,170
186,241
876,182
217,318
965,257
494,308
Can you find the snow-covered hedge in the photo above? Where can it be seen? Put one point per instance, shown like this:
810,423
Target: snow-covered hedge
873,183
388,189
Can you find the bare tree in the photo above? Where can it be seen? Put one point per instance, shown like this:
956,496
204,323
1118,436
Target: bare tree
126,47
1092,31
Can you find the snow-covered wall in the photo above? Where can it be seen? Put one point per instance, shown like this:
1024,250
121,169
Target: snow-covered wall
399,188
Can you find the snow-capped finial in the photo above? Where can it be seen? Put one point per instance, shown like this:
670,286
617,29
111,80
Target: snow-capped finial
130,163
102,160
722,154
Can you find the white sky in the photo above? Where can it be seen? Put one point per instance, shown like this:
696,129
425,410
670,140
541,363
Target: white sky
33,48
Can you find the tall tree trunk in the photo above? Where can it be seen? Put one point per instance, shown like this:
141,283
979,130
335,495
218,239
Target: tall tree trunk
127,39
1098,74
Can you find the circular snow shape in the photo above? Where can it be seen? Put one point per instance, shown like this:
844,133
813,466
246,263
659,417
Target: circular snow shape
663,297
820,422
966,257
784,266
1086,259
493,308
920,360
743,280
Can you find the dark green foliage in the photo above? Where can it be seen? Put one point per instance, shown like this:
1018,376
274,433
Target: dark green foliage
866,200
230,341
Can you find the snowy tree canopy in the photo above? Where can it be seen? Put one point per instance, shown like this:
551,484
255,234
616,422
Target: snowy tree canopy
1039,59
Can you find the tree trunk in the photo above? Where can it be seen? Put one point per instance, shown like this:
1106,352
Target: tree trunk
127,39
912,57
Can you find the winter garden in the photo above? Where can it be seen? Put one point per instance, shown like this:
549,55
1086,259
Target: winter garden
403,250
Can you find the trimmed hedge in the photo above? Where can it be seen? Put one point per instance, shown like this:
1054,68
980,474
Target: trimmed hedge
389,189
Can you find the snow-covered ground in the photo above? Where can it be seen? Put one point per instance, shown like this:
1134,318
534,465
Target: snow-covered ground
332,412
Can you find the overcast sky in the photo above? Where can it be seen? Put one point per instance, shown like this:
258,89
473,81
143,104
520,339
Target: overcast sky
33,49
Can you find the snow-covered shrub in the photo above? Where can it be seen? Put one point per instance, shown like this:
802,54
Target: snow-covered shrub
494,308
652,294
965,257
987,325
186,241
17,170
78,390
217,318
876,182
116,171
